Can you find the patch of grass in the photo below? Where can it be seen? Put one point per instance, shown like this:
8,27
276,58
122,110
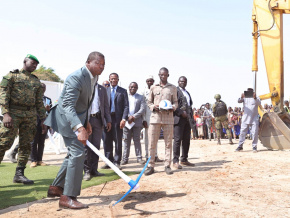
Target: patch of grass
16,193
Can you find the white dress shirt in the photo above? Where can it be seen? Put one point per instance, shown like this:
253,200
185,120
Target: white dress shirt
132,101
96,101
186,95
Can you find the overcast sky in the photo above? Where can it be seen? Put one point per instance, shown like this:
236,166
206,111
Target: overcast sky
209,42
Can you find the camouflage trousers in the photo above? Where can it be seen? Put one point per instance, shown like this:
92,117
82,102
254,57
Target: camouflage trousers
219,123
27,130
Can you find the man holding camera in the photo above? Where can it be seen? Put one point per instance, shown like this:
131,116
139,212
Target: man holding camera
250,118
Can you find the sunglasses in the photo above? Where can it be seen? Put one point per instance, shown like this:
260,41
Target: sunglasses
107,85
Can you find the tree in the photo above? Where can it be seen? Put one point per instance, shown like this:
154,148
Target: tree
47,74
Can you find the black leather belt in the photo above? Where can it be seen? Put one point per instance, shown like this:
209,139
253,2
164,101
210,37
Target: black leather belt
113,113
97,115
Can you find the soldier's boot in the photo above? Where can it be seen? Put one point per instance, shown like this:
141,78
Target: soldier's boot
219,141
20,178
230,141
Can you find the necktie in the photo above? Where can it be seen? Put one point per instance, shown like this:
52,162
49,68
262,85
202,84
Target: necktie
112,99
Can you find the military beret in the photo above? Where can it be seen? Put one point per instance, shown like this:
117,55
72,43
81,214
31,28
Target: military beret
32,57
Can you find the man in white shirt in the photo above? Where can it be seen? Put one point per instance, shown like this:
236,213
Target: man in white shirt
99,116
146,118
136,111
249,120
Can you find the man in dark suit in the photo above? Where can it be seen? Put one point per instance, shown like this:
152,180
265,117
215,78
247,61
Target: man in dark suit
99,117
181,125
119,107
136,111
70,116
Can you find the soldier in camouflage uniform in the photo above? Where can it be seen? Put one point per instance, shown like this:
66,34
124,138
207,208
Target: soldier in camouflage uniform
20,100
221,119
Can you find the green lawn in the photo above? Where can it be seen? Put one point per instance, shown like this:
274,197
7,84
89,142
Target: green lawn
15,193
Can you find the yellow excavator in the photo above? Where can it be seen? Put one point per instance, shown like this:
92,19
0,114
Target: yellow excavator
267,19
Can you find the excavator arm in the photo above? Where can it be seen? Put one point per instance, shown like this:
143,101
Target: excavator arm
267,19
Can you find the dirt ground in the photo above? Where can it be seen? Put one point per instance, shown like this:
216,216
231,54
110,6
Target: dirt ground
223,183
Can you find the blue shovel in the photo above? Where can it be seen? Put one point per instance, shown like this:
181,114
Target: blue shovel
133,184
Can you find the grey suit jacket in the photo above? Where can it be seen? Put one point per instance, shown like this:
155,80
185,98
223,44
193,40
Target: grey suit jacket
139,110
72,105
104,105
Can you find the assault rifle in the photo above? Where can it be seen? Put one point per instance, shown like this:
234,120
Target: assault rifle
185,107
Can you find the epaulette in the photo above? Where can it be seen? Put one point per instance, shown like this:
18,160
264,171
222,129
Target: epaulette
15,71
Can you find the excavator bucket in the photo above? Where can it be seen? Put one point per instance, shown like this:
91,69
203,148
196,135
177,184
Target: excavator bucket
274,130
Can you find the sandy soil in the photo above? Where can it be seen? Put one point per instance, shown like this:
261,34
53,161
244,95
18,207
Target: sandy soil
223,183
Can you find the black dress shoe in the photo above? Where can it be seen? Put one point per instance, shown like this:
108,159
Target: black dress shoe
149,171
158,160
97,173
105,167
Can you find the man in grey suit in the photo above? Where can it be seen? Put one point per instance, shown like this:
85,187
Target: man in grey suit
99,117
69,117
119,107
250,119
136,111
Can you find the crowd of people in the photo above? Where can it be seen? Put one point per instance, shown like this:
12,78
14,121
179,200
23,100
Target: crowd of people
205,128
87,110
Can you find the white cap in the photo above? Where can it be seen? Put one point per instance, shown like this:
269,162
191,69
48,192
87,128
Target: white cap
150,77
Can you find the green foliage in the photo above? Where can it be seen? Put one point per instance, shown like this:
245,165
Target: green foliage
47,74
16,193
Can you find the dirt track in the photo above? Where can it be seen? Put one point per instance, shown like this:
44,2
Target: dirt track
223,183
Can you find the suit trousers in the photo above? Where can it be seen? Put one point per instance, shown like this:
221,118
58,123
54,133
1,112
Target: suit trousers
70,174
115,135
91,158
181,135
37,146
254,130
154,133
127,135
147,143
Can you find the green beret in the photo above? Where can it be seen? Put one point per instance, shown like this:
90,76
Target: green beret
32,57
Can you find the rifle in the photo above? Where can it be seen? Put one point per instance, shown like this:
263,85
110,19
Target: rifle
185,107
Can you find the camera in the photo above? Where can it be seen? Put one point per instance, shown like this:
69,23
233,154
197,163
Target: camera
249,93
